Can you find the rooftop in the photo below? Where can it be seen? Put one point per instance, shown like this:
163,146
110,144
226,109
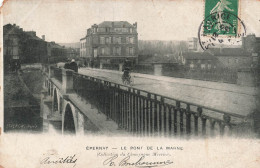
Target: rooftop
115,24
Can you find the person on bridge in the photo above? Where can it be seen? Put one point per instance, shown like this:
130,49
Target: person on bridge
73,65
126,68
67,64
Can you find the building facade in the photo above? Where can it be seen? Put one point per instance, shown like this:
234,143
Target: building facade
198,60
110,42
21,47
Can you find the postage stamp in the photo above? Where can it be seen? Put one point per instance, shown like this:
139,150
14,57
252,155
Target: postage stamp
221,24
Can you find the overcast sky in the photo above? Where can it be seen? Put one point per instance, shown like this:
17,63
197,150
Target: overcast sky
66,21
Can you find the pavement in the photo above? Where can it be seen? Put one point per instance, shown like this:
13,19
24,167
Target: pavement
222,96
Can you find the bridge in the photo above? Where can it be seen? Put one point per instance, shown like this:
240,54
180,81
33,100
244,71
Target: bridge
92,102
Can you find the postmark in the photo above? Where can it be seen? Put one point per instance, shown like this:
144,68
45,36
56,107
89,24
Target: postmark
221,25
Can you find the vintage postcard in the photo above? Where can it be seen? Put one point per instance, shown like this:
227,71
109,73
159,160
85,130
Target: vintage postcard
141,83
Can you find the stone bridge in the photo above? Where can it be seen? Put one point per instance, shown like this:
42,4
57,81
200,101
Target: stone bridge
83,104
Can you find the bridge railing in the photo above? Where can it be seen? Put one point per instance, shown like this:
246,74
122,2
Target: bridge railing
146,113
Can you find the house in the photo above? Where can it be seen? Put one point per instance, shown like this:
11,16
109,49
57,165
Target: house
23,46
197,60
232,58
110,42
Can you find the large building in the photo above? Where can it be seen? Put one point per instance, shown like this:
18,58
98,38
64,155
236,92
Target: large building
110,42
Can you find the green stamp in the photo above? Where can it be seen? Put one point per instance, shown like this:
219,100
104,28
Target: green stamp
221,17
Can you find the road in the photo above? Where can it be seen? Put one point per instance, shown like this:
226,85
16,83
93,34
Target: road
226,97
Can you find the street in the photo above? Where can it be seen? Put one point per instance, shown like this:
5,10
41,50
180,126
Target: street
222,96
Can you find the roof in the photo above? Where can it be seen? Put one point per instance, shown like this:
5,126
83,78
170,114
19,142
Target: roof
32,37
228,52
54,45
13,29
198,56
117,24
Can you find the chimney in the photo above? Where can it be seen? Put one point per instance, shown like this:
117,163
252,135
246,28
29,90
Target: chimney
43,37
135,24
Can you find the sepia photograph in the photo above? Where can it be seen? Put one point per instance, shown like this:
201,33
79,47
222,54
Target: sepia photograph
117,83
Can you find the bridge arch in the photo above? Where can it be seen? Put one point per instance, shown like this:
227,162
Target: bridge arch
69,125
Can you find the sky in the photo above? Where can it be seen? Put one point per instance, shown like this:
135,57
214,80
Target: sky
66,21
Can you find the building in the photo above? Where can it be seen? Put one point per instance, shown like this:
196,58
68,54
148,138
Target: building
72,52
12,44
232,58
56,52
110,42
193,44
228,56
197,60
25,47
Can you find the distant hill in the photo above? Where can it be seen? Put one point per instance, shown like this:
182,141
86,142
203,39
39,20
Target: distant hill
72,45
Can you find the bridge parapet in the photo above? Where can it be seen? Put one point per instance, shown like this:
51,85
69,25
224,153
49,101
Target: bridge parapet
148,114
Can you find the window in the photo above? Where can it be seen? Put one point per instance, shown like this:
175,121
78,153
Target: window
191,65
127,51
95,52
15,57
101,29
118,29
117,51
108,40
119,40
131,51
102,40
15,51
102,51
131,30
15,41
127,39
236,60
125,30
131,39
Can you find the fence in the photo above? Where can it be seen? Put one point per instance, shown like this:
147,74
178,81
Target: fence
148,114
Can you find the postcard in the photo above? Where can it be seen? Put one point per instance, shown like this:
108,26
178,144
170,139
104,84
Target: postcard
117,83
